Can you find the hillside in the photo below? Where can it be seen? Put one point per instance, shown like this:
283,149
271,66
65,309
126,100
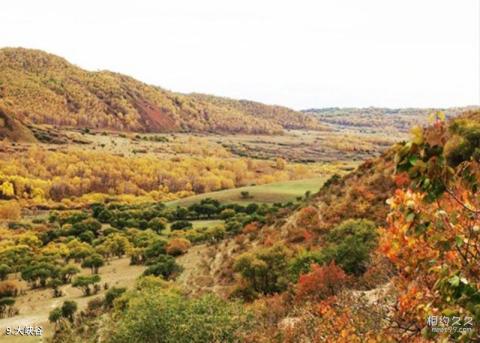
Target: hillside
13,130
41,88
288,118
378,119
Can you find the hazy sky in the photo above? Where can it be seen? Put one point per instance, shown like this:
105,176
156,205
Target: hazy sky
296,53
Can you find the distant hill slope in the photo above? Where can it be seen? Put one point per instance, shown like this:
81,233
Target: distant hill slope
286,117
363,193
13,130
40,88
379,119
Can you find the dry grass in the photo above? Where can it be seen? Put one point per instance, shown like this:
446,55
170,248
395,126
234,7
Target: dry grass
36,305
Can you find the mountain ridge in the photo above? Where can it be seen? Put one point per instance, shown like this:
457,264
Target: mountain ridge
41,88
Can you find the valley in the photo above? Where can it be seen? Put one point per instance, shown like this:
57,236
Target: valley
130,213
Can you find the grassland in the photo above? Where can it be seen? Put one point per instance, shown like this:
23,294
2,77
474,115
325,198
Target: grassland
269,193
197,224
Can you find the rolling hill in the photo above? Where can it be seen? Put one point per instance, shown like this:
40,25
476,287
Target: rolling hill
41,88
379,119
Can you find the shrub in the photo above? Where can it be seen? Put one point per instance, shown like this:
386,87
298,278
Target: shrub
164,266
39,272
10,210
89,224
181,225
465,144
264,270
94,306
112,294
8,289
322,282
71,218
173,318
67,272
251,208
251,228
157,224
157,248
302,263
55,285
227,213
87,236
55,315
215,233
233,226
308,218
362,229
350,246
178,246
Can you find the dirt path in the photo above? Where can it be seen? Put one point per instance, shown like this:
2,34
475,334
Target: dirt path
203,266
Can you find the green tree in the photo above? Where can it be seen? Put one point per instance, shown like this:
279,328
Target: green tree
117,244
181,225
350,245
302,263
68,309
251,208
265,269
93,262
55,315
87,236
227,213
157,224
89,224
157,248
84,283
55,285
67,272
164,266
7,293
39,272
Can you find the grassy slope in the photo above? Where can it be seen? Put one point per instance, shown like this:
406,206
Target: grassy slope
196,224
269,193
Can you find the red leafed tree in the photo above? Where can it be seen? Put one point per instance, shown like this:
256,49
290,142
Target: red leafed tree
322,282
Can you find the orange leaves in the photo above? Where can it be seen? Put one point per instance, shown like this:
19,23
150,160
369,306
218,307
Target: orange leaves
325,306
451,256
298,234
178,246
308,218
251,228
409,299
9,209
427,242
321,282
402,179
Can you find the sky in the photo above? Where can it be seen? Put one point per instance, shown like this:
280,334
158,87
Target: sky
298,53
